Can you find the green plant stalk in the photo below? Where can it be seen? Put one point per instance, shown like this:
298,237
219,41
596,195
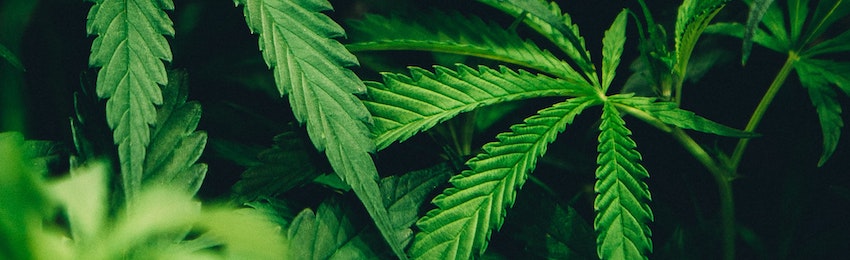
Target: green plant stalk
721,175
755,119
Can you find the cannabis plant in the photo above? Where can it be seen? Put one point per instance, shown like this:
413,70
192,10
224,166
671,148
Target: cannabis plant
380,107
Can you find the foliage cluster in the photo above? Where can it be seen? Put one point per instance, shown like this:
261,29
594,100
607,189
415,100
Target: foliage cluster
494,111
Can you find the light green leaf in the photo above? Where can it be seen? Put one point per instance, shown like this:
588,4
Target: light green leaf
457,34
670,113
404,106
758,8
23,203
817,76
692,18
622,201
176,146
85,198
130,48
612,48
297,42
474,207
547,19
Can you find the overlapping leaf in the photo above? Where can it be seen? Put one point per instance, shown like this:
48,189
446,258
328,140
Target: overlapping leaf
404,106
334,232
311,67
176,145
468,212
546,18
457,34
622,201
692,18
817,75
758,8
130,48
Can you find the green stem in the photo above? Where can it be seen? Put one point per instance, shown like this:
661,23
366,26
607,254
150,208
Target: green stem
723,177
778,81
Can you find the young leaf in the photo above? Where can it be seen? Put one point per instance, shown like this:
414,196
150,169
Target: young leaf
692,18
296,40
817,76
670,113
826,13
457,34
469,211
130,48
176,145
404,106
612,48
758,8
622,201
547,19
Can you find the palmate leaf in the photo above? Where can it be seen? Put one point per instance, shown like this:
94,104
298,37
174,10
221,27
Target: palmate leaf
309,66
130,48
622,201
468,212
457,34
546,18
404,106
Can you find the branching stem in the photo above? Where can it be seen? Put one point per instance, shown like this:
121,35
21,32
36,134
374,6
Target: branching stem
762,108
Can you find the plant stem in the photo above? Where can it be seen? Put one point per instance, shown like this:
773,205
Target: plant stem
777,83
723,177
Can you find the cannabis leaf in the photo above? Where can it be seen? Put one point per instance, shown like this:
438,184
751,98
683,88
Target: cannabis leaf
296,40
546,18
282,167
612,49
130,48
404,106
548,228
670,113
758,8
176,145
622,209
692,19
804,47
457,34
468,212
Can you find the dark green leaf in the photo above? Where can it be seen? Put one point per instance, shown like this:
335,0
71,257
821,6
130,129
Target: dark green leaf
475,206
7,55
622,201
817,76
288,164
550,229
827,13
840,43
693,17
798,10
760,36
